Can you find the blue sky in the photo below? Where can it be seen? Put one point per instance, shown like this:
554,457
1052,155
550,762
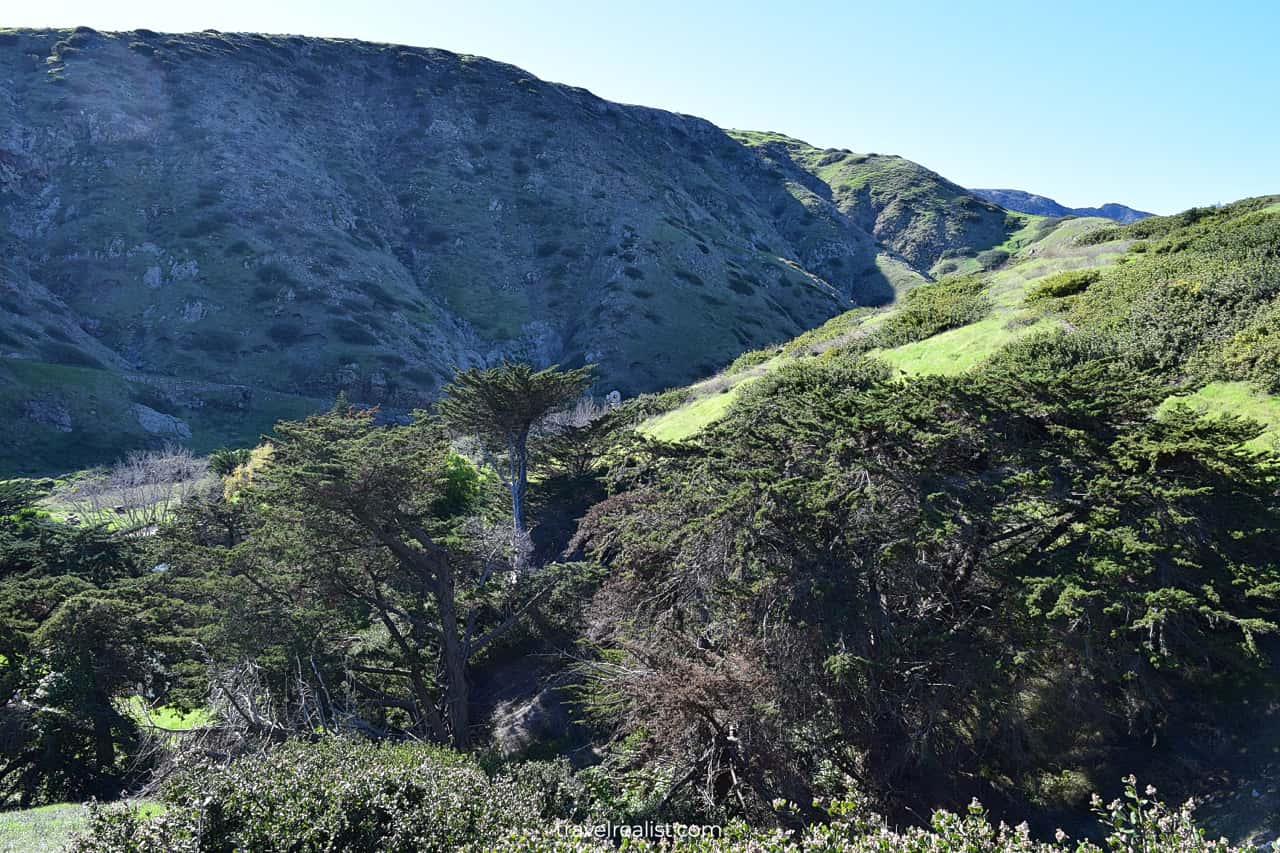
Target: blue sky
1158,105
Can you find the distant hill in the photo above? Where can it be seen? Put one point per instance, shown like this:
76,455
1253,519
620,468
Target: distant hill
200,233
1025,202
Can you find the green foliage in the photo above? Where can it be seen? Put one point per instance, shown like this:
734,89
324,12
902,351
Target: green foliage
1253,353
992,258
1213,275
336,794
1062,284
357,559
933,308
500,405
940,563
225,460
343,795
71,642
750,359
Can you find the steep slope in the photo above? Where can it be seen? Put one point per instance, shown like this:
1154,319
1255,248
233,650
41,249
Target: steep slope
1039,205
913,211
201,232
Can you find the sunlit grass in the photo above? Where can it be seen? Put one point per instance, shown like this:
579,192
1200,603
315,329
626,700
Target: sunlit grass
50,828
689,419
163,716
957,350
1237,398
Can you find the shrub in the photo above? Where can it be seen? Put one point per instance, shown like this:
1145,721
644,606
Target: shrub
226,460
61,353
274,274
752,358
336,794
934,308
1253,354
1062,284
215,340
285,332
992,258
352,333
344,795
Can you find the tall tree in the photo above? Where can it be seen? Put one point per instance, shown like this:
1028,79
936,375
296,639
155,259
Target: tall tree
71,643
849,571
501,405
355,570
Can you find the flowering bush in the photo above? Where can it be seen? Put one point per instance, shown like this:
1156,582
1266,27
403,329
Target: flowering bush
341,795
334,795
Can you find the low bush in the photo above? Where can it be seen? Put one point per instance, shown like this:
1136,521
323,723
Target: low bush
1253,354
935,308
351,332
335,794
752,358
352,796
992,258
60,353
285,332
1062,284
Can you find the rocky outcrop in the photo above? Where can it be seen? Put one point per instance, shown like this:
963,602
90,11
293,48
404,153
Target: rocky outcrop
158,423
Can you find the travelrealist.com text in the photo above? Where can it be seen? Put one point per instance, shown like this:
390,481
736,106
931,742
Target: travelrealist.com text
647,830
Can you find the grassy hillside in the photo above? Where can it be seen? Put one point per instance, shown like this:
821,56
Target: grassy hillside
1193,296
300,216
914,212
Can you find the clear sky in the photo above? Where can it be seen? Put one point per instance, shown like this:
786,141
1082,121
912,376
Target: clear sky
1159,105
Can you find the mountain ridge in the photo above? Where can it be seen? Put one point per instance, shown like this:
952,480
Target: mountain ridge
1039,205
276,219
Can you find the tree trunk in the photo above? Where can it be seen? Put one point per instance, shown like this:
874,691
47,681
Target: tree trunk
457,694
519,480
104,745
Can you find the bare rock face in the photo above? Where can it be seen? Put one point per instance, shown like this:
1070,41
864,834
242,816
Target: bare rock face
263,211
160,424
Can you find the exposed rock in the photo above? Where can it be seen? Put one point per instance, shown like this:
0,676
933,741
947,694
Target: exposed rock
48,414
158,423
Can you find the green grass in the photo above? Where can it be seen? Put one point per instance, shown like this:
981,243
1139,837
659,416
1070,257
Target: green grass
164,716
1237,398
50,828
681,423
957,350
47,828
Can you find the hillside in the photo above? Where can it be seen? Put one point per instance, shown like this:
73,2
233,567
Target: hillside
1183,307
1025,202
1191,296
202,233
